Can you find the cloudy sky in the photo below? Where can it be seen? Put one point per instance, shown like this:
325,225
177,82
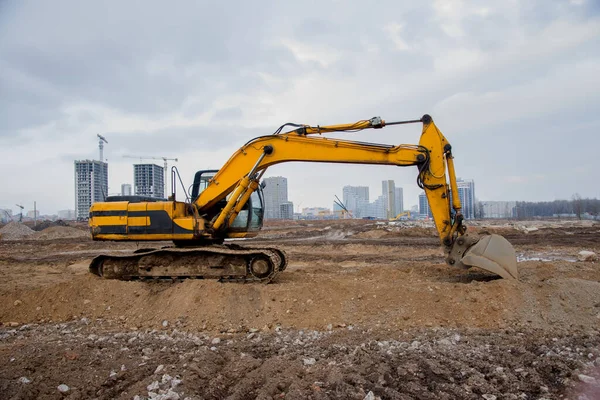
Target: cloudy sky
514,85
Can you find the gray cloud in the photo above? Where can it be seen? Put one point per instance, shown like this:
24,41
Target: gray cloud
510,84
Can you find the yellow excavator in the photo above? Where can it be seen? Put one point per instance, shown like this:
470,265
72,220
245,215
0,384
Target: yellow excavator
402,216
228,203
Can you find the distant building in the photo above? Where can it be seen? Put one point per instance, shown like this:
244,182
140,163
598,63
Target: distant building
424,209
499,209
126,189
33,214
286,210
388,192
315,212
466,193
356,200
148,180
378,208
66,215
91,185
399,200
275,194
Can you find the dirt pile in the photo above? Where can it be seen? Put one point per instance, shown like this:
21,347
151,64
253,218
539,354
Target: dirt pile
350,316
99,360
61,232
15,231
41,225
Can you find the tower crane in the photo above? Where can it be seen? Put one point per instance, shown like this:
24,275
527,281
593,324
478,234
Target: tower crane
165,159
101,141
21,214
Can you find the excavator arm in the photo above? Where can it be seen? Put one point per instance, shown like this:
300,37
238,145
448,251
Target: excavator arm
240,176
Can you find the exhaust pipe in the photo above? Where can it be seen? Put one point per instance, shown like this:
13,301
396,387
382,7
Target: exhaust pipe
492,253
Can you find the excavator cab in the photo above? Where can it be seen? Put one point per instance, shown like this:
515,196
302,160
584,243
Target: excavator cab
250,217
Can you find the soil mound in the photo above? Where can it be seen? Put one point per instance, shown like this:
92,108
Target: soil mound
15,231
61,232
47,224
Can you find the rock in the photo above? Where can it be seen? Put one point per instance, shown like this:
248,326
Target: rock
146,351
24,379
586,379
215,341
153,386
175,382
63,388
250,335
309,361
159,369
165,323
170,395
489,396
329,327
18,302
585,255
415,344
13,324
369,396
86,301
112,374
253,330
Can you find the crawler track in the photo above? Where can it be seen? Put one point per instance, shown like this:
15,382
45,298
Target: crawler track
227,263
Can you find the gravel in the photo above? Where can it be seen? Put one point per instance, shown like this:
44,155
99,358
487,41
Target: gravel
15,231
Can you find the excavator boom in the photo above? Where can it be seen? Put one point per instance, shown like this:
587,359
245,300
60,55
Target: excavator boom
213,213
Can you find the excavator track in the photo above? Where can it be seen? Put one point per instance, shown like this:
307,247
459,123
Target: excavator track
227,263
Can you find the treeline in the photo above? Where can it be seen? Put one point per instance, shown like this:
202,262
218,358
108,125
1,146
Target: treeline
577,206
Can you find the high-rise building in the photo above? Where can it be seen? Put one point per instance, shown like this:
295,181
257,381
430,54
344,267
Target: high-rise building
378,208
286,210
91,185
466,193
126,189
356,200
399,200
388,191
148,180
424,209
275,194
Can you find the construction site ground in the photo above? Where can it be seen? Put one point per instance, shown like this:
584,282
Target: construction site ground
364,310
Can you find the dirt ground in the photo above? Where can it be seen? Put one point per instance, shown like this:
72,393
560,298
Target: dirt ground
364,310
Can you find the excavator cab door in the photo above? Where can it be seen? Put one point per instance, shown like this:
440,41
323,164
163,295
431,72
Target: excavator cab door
250,218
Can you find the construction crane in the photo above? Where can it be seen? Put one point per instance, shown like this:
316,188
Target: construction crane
165,159
21,214
101,141
345,210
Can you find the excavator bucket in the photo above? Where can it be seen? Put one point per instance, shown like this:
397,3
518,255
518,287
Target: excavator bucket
495,254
